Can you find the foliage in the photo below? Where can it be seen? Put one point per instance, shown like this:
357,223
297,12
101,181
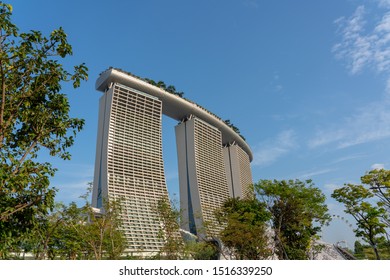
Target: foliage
379,185
358,250
173,246
235,128
102,233
202,250
244,233
34,114
162,85
298,212
363,251
71,232
356,199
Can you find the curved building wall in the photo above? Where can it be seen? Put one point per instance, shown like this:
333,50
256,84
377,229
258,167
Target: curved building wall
129,163
214,161
238,172
202,177
174,106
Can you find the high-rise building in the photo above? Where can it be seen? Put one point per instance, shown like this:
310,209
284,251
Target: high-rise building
238,171
129,162
202,176
214,161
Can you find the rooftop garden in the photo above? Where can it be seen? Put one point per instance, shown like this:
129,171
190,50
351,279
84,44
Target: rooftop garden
172,90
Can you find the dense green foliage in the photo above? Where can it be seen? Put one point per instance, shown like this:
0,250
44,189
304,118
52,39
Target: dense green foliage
72,232
34,114
378,181
245,228
298,212
365,252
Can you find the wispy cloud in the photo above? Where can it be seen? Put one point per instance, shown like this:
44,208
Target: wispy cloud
362,48
377,166
350,157
311,174
383,3
271,150
368,124
354,47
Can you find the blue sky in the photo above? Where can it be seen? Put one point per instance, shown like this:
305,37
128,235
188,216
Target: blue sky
307,82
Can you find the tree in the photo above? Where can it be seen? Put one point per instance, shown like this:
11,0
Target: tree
173,246
176,246
34,114
202,250
72,232
356,199
298,212
102,232
379,185
244,233
358,250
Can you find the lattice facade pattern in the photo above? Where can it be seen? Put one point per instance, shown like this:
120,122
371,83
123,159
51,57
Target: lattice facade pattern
245,173
129,163
212,184
203,183
135,166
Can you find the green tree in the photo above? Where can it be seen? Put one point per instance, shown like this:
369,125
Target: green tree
356,199
244,232
298,212
72,232
34,114
173,245
379,185
202,250
358,250
102,232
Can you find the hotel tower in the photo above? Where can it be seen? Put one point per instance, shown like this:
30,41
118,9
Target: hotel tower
214,161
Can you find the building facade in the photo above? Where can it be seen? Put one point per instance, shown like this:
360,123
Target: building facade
202,176
129,163
238,171
214,161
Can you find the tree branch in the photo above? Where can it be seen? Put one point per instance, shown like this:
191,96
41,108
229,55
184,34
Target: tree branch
4,216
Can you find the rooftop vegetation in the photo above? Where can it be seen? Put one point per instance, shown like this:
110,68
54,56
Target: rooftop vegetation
172,90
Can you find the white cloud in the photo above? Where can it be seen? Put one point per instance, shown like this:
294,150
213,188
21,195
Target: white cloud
361,48
270,151
377,166
350,157
383,3
354,47
368,124
309,175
